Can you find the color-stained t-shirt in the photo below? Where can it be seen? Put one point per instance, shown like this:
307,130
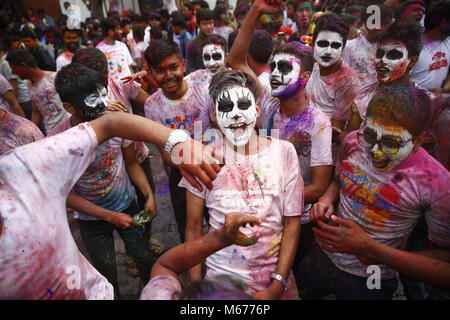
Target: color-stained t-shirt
431,69
16,131
359,54
105,182
333,94
200,75
267,185
162,287
5,86
63,59
193,108
39,258
387,205
47,101
119,58
139,51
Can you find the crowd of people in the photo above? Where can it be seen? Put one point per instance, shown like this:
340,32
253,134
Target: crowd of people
310,137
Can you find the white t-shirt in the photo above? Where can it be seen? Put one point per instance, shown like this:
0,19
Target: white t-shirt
387,205
431,69
47,101
63,59
139,51
39,258
223,31
359,54
267,185
119,58
183,113
264,78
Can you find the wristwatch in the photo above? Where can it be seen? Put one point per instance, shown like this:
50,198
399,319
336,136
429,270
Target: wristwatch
281,279
175,137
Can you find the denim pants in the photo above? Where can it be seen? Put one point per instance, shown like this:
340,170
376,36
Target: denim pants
317,277
99,241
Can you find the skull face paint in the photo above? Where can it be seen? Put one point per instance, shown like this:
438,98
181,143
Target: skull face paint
328,48
96,103
213,58
285,74
391,61
399,138
236,114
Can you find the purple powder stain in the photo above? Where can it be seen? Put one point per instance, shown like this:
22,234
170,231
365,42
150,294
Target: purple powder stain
64,191
50,292
76,152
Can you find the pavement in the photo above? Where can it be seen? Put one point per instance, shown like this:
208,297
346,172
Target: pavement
164,229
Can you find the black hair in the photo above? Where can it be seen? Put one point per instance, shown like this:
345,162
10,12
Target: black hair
139,32
203,15
94,59
261,46
436,14
216,39
402,105
230,78
158,50
409,33
219,9
109,23
27,32
19,56
386,13
156,33
124,22
231,38
179,21
241,9
302,52
220,288
74,83
332,22
65,29
154,15
204,4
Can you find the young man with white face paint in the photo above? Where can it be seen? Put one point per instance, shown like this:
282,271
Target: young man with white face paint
386,183
261,178
333,85
103,197
213,55
285,111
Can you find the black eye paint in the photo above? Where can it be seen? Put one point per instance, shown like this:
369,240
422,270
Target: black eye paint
217,56
244,101
379,54
206,57
225,104
284,67
273,65
394,54
336,45
323,43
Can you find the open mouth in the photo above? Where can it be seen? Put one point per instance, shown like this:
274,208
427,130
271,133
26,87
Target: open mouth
238,129
275,83
380,164
382,70
171,82
326,58
213,69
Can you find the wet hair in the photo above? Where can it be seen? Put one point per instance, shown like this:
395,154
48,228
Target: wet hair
220,288
261,46
94,59
230,78
402,105
158,50
109,23
19,56
139,32
203,14
410,34
74,83
27,32
216,39
302,52
332,22
436,14
386,13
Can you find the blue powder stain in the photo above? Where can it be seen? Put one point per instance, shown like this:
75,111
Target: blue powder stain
50,292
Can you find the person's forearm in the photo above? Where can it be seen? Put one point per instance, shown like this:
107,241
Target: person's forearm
85,206
313,193
194,227
332,191
139,178
289,243
239,50
431,271
13,103
36,118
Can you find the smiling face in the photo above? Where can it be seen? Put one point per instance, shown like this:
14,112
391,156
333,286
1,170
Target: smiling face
96,103
236,114
213,58
169,73
285,70
328,48
394,139
391,61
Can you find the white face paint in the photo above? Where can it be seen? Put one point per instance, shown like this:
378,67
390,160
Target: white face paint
213,58
236,114
284,73
328,48
97,102
392,138
391,61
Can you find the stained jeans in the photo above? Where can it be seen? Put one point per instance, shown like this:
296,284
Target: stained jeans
99,241
317,276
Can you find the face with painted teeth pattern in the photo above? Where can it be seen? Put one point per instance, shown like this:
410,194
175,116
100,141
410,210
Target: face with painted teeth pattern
236,114
328,48
284,73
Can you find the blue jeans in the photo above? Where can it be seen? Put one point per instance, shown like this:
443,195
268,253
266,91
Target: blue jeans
317,277
99,241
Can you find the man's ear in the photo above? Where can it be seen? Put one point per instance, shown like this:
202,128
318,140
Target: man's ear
184,65
213,114
418,141
412,62
258,109
306,75
69,108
